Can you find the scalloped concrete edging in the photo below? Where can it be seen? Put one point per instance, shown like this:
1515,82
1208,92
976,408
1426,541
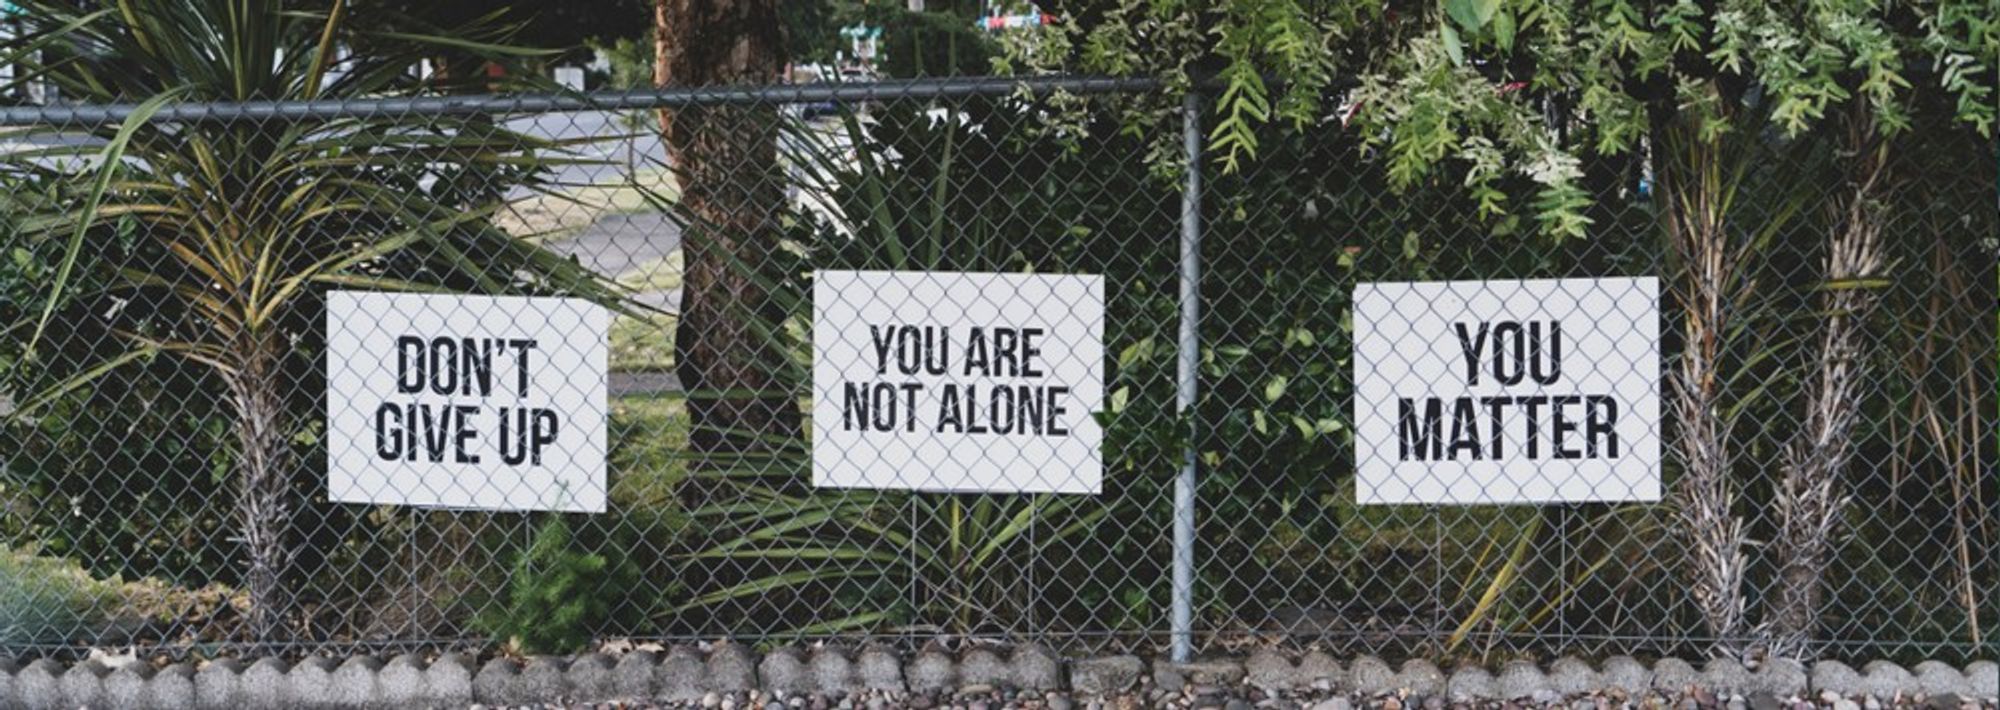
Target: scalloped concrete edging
687,673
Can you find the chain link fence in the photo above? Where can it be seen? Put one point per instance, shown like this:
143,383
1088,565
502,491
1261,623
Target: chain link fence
165,368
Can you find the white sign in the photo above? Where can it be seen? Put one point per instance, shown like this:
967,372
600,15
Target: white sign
939,381
465,401
1469,392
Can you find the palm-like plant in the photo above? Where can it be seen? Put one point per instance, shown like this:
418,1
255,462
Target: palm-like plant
214,240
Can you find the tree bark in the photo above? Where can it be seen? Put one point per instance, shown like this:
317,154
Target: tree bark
264,474
733,191
1810,498
1693,189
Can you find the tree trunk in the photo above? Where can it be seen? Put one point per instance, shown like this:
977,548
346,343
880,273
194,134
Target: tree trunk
1810,497
1692,187
732,188
264,472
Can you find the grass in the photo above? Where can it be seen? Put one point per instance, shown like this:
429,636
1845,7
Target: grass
563,212
646,343
45,599
649,435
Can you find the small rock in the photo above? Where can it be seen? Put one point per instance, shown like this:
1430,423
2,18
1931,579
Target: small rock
1944,701
1434,703
1761,700
712,699
1844,704
1333,704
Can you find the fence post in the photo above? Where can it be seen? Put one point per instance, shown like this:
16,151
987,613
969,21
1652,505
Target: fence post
1189,358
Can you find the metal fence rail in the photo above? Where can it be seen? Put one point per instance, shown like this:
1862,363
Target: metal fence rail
140,364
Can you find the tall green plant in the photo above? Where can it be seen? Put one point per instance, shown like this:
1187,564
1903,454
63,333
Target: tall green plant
945,562
220,236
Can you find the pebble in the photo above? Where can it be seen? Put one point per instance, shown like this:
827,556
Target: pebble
712,699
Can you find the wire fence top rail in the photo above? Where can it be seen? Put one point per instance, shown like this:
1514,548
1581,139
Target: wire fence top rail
639,99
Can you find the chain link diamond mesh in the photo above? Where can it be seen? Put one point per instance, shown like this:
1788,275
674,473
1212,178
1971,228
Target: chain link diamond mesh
164,363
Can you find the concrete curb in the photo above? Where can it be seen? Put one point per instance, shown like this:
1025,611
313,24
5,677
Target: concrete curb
689,673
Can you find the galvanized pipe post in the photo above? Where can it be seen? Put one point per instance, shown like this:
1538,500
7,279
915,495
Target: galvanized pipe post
1189,358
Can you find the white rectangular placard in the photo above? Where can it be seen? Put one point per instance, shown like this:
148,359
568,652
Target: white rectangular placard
492,403
1471,392
957,382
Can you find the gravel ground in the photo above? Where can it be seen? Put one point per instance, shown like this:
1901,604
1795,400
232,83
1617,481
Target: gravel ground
1247,698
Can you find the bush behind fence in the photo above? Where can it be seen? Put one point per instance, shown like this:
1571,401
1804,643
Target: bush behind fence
164,475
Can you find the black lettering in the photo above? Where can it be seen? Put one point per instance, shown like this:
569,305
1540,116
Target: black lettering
1471,348
1006,362
444,365
409,364
388,435
941,349
1502,359
1600,422
1464,429
545,434
1030,351
1056,411
1564,425
1424,441
1555,352
972,425
853,406
910,390
513,436
1496,432
948,412
1534,407
882,344
435,423
479,367
884,407
521,347
463,432
1030,401
908,357
976,356
1002,424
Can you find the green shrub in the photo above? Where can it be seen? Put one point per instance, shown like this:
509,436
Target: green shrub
561,593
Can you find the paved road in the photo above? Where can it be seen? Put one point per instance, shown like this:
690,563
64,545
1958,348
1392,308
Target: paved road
616,244
601,136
